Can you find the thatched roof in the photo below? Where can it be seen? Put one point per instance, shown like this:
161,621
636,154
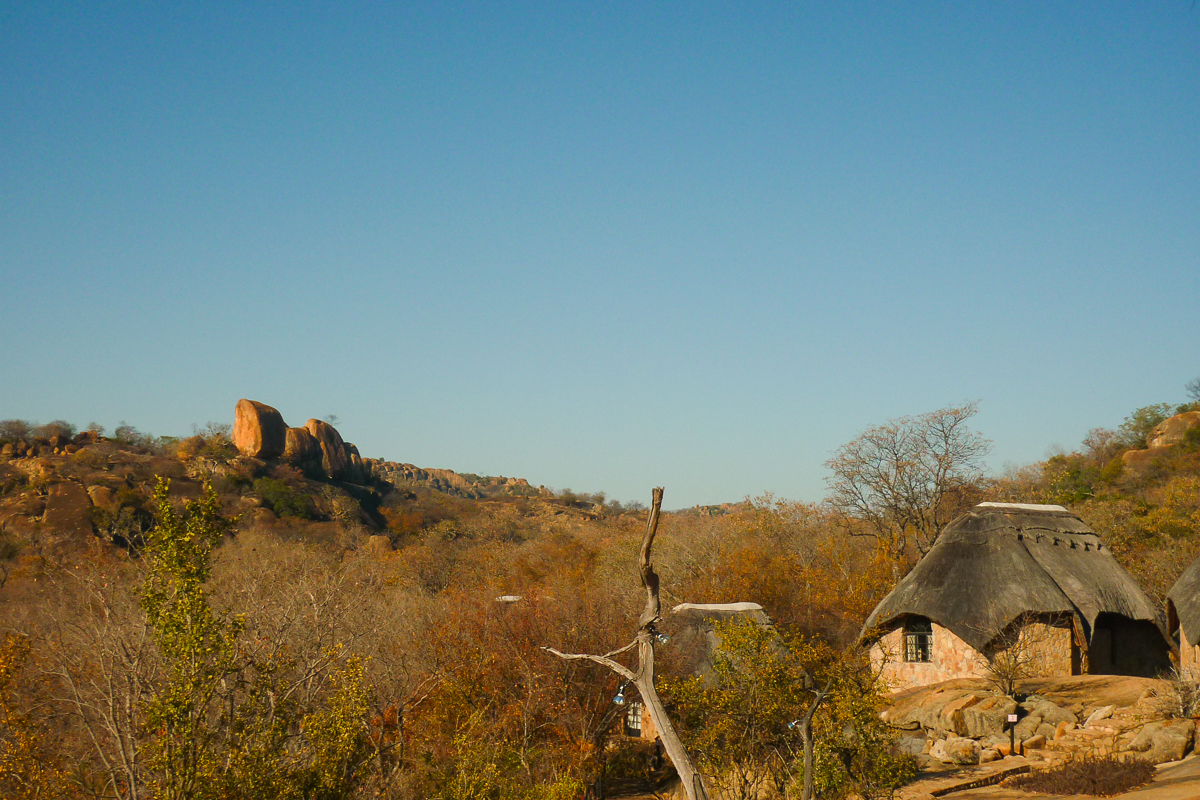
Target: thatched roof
693,627
1002,560
1184,599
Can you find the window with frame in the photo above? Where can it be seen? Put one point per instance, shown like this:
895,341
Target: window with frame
918,640
633,720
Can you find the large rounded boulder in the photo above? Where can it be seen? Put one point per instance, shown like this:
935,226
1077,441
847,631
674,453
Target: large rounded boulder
1173,430
333,449
300,446
259,430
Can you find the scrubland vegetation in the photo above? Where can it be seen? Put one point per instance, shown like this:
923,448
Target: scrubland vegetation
257,632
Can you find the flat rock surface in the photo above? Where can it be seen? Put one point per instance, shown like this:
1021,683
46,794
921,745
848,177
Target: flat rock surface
941,784
1091,691
1177,781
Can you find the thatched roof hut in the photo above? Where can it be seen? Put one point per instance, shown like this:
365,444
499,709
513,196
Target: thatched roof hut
1004,564
1183,614
693,627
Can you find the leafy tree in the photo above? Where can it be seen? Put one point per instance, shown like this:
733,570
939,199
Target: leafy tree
853,744
14,429
779,710
225,723
903,480
58,427
1137,425
27,768
198,647
283,499
737,718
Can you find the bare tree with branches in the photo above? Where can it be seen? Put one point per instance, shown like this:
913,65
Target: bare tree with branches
905,479
643,676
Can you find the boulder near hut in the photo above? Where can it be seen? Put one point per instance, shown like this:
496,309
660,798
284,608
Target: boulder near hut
1183,616
1015,577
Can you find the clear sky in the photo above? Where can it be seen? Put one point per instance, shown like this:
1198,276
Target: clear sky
597,245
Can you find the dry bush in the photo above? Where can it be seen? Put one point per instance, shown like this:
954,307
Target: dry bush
91,639
1178,694
1100,776
1023,650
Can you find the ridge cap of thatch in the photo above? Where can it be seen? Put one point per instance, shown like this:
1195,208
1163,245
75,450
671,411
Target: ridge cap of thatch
1024,506
736,607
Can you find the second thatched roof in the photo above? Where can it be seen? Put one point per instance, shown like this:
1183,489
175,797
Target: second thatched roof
1183,604
1000,561
694,628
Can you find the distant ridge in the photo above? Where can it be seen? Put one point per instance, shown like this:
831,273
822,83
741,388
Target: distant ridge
467,485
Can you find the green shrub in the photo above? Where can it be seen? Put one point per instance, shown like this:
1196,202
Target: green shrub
283,499
1191,438
1133,430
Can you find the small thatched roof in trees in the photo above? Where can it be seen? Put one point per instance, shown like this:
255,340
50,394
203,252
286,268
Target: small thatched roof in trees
1183,604
1002,560
693,627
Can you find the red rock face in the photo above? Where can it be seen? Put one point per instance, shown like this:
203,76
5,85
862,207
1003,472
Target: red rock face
333,449
258,430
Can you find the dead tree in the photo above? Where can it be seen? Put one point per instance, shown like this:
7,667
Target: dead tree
643,676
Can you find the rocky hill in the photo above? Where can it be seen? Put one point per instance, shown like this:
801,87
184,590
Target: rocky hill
61,491
259,431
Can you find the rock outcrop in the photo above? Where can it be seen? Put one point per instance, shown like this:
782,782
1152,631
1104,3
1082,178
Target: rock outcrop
300,446
1173,430
333,449
258,430
1131,721
1137,461
452,483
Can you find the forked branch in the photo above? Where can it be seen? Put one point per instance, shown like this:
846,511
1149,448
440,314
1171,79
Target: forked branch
643,676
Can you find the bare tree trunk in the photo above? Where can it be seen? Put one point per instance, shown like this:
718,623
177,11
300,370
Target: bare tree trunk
806,737
643,678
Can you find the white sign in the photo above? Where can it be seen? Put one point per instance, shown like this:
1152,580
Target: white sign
1012,717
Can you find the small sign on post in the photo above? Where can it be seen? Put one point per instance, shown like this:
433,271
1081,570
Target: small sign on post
1012,717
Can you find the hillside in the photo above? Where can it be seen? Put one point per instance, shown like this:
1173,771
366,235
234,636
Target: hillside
1137,486
328,563
61,490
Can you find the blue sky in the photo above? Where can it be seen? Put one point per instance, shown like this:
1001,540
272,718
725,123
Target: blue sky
602,247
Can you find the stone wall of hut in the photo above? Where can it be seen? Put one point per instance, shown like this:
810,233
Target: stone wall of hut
1049,649
1048,645
950,657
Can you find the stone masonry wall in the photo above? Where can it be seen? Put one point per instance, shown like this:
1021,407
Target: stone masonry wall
951,657
1049,647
